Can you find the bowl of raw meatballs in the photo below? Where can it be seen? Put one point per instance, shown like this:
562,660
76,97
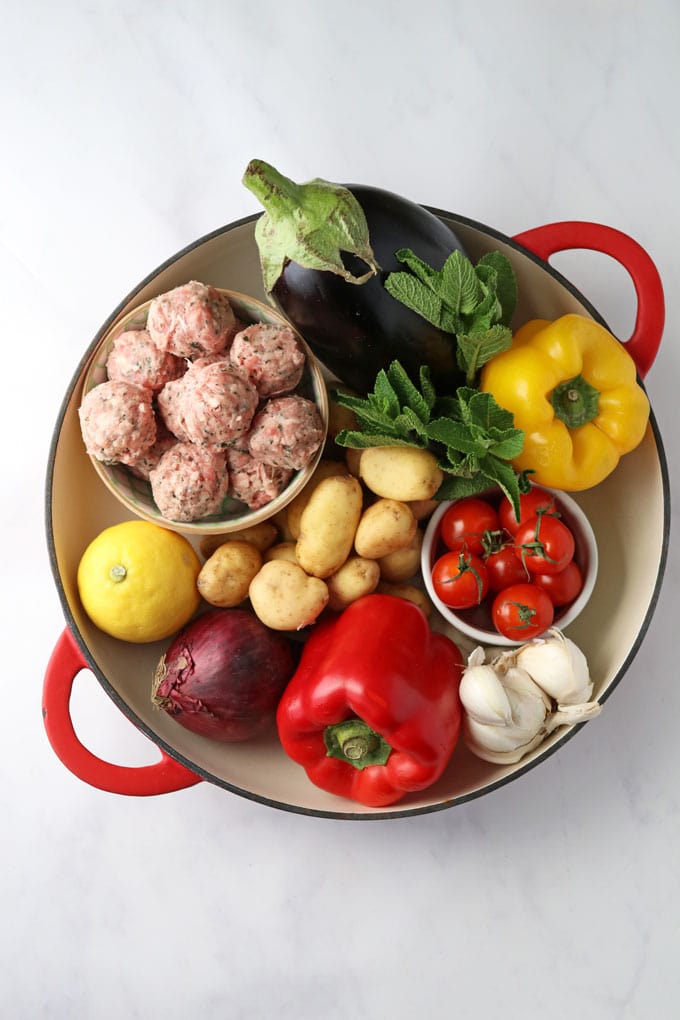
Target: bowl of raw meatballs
203,410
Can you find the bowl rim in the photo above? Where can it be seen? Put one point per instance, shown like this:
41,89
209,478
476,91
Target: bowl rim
403,811
131,493
586,546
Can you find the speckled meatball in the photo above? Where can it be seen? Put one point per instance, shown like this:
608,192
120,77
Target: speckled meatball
189,482
143,467
287,432
219,405
170,403
117,422
134,358
191,321
270,356
254,482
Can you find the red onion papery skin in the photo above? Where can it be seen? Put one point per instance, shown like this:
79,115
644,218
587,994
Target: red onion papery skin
223,675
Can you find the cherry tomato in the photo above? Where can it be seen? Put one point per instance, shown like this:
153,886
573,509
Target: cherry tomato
505,568
460,579
464,523
522,612
530,503
563,587
545,544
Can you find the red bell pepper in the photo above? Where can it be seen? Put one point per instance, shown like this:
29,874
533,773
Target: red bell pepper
372,711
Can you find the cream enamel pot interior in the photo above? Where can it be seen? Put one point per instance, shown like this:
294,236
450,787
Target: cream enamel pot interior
610,631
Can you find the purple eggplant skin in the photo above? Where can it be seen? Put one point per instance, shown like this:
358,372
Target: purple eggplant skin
357,329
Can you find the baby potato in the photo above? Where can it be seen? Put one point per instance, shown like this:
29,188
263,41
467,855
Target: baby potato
281,551
339,417
402,563
385,526
328,525
355,578
353,461
422,508
284,597
324,469
225,576
260,535
409,592
401,472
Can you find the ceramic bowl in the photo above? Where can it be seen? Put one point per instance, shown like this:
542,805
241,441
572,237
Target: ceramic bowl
476,623
134,493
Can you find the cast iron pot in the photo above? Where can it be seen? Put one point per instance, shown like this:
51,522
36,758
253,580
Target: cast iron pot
610,631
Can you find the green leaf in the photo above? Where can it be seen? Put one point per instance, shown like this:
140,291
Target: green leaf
385,394
426,387
425,273
409,421
453,434
501,474
505,284
485,412
478,348
407,393
457,487
417,296
508,445
364,441
458,285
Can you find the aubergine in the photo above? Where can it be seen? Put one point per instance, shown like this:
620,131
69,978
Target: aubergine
326,250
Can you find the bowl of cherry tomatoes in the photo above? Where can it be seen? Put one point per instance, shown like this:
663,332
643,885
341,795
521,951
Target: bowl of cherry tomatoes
503,581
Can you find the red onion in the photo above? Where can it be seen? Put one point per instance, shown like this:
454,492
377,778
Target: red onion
223,675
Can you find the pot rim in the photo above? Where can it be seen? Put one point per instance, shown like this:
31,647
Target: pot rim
125,708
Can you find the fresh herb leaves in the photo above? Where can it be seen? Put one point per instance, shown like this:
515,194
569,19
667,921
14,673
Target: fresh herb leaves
472,437
476,303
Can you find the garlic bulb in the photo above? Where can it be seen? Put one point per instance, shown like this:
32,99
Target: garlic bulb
513,703
505,713
558,666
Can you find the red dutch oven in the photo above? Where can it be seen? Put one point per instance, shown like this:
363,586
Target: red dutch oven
610,630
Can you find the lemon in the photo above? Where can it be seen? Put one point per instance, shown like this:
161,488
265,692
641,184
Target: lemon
137,581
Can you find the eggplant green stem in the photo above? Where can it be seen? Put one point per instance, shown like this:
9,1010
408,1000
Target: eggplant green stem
311,224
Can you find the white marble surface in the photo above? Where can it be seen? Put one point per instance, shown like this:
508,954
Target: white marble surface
125,129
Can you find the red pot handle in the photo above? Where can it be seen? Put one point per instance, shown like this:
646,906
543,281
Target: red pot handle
165,776
554,237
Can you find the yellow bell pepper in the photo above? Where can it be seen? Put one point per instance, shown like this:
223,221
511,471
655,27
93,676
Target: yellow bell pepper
572,389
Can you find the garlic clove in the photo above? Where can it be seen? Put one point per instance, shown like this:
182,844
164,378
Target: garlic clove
483,695
508,755
558,666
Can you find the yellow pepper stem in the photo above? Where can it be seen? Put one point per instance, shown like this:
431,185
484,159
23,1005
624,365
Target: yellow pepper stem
575,402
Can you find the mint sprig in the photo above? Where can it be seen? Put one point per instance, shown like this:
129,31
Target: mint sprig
473,438
474,302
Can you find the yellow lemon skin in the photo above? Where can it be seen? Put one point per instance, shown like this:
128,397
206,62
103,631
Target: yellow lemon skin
137,581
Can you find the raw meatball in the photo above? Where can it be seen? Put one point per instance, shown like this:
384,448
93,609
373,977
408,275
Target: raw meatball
270,356
191,320
143,467
134,358
189,482
117,422
254,482
219,405
287,432
170,402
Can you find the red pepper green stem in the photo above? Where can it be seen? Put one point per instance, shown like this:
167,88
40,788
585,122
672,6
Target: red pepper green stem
356,743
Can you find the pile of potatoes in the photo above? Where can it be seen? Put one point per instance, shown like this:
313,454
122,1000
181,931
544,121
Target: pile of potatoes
354,529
